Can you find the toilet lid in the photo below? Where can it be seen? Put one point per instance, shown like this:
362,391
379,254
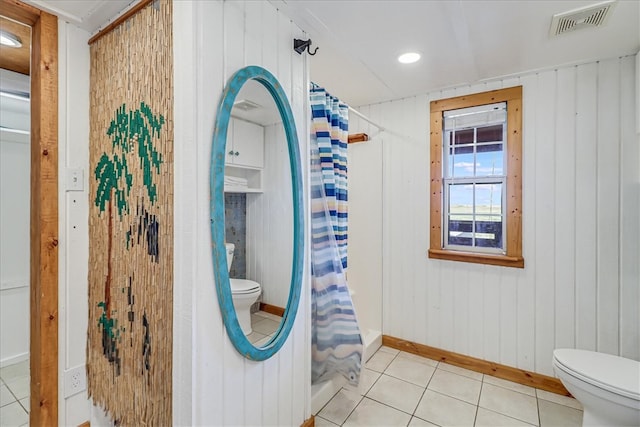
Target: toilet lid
243,286
612,373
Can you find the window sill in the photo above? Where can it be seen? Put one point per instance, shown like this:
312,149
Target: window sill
501,260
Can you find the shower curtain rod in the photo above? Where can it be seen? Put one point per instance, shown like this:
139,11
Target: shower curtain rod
380,128
366,119
357,113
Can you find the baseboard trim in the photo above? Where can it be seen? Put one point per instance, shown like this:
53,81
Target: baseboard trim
311,422
504,372
272,309
12,360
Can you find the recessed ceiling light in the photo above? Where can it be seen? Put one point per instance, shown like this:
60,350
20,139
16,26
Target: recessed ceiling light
409,57
8,39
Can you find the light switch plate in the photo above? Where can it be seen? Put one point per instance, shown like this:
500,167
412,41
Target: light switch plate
75,179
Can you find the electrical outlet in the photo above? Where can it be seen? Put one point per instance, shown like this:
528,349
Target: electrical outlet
75,380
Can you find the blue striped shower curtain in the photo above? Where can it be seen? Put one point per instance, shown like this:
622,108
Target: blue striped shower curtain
336,340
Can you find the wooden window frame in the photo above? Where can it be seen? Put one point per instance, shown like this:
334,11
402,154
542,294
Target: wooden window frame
513,216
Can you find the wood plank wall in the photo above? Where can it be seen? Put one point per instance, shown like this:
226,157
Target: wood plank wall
218,386
580,286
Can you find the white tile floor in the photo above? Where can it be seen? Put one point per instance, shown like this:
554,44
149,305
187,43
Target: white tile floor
14,379
264,325
396,389
402,389
14,395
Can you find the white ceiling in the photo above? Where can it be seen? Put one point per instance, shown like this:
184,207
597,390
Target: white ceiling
89,15
266,113
461,41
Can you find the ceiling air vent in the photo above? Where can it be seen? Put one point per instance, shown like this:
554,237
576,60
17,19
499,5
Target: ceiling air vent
246,105
585,17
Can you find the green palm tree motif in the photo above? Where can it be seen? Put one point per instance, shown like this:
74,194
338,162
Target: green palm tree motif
130,131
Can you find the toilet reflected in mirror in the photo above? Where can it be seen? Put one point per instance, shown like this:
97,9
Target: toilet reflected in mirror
244,293
258,213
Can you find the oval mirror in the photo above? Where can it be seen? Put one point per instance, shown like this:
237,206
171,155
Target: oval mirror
257,218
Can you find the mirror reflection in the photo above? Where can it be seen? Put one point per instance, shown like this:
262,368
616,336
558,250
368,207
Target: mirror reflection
258,213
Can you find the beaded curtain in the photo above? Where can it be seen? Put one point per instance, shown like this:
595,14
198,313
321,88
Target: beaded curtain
129,346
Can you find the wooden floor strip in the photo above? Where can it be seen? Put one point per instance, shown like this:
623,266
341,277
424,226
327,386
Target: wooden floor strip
504,372
268,308
311,422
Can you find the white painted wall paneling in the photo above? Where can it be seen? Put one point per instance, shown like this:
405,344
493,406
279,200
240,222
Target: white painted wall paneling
14,324
580,230
185,255
14,247
364,275
608,197
629,212
208,331
227,389
14,226
526,344
73,152
270,222
543,214
565,212
586,196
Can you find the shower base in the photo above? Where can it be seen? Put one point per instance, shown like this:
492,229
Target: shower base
322,393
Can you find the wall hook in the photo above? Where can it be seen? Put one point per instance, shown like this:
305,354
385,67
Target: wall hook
300,46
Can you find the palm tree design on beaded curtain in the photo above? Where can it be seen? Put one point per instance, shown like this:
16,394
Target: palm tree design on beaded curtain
130,131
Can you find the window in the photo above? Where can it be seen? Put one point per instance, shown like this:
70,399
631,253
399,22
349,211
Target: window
476,178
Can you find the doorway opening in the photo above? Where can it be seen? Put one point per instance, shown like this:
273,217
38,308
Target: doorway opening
43,210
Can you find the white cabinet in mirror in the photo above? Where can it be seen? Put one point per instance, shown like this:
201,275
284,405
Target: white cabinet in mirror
247,144
244,158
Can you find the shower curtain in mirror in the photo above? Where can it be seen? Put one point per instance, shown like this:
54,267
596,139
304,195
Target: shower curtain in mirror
336,340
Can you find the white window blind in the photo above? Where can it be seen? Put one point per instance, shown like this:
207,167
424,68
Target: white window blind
474,178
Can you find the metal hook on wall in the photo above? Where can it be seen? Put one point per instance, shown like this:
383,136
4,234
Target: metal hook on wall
301,45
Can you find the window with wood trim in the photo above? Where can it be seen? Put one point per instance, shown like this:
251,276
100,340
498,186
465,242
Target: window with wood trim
476,178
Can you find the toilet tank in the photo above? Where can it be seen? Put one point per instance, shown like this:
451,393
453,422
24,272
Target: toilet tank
230,247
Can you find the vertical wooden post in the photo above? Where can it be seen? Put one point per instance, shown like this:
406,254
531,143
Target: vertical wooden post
44,209
44,222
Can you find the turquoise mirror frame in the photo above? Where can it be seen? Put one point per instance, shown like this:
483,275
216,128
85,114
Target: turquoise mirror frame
221,275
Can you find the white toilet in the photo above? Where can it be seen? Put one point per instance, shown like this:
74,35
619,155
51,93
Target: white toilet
607,386
243,293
